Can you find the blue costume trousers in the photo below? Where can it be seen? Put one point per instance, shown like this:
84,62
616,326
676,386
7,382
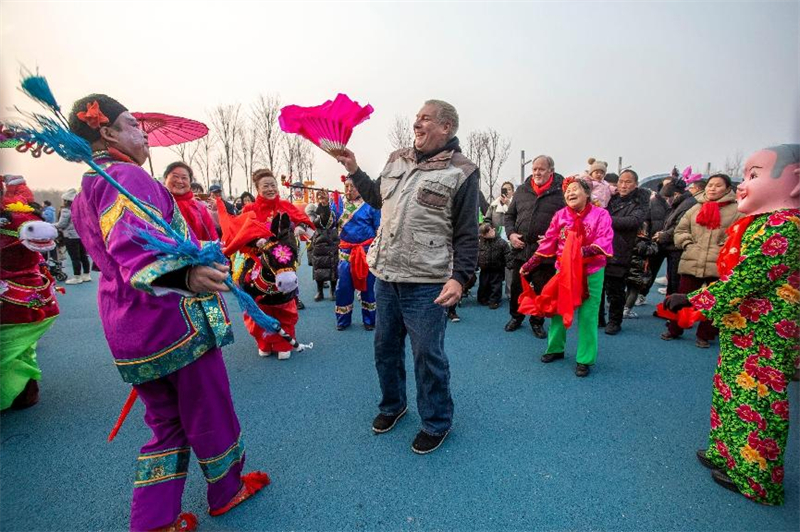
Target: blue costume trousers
345,297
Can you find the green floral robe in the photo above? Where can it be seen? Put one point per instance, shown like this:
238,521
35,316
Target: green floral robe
756,309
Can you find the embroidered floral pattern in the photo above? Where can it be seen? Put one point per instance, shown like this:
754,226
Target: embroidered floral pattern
756,308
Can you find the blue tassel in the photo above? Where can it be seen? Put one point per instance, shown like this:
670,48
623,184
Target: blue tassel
249,306
206,255
51,133
37,88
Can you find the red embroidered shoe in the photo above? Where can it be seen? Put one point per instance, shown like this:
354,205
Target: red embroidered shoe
186,522
252,483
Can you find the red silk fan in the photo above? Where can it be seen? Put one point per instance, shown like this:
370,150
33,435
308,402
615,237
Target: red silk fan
329,125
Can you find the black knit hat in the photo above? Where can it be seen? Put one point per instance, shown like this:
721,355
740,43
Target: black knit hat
676,185
90,129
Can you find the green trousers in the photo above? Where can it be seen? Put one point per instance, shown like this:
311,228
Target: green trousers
18,357
587,324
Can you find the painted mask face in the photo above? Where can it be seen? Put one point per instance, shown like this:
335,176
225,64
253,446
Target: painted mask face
760,192
126,136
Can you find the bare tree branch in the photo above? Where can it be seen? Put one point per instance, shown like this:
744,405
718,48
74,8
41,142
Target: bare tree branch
249,141
265,113
401,134
188,151
733,164
205,157
225,120
496,150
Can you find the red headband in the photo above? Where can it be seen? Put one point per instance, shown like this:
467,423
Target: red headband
568,181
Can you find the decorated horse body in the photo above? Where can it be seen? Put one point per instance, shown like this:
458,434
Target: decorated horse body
269,269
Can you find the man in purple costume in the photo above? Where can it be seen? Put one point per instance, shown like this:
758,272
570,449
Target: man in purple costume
165,323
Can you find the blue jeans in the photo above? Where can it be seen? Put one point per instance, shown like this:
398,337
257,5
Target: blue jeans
408,309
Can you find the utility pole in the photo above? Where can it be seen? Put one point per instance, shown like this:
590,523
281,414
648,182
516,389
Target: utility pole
522,165
619,165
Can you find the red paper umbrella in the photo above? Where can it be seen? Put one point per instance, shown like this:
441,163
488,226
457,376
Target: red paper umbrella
168,130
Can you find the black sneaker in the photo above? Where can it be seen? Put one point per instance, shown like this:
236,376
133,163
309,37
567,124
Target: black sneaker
549,357
581,370
300,305
703,459
724,480
369,327
424,443
319,297
613,328
384,423
513,324
452,316
538,331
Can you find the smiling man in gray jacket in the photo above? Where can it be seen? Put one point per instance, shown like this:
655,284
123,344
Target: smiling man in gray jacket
424,252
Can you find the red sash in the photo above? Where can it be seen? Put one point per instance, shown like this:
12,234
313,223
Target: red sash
358,263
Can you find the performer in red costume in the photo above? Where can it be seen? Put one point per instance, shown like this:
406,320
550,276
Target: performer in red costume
28,305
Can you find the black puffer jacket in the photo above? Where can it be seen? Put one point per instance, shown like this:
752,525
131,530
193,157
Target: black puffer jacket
679,207
493,254
325,249
628,213
640,274
529,215
658,213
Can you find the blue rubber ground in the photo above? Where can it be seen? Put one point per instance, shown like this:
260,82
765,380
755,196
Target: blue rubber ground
532,448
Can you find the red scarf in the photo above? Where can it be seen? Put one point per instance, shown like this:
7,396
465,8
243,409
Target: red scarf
729,254
196,216
540,189
567,289
709,214
266,209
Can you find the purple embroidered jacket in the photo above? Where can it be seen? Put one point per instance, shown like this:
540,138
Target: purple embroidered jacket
151,331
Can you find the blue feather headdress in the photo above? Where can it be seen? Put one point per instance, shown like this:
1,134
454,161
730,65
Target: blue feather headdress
56,134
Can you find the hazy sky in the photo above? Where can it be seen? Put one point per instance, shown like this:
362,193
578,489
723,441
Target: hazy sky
660,84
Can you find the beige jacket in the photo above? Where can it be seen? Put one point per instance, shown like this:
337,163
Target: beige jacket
414,241
701,245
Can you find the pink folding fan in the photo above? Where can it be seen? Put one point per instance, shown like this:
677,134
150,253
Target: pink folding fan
329,125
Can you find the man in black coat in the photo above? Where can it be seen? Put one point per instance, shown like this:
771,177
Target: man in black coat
628,210
533,206
659,208
680,200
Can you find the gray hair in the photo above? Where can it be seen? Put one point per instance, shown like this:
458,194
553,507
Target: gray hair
787,154
547,158
446,114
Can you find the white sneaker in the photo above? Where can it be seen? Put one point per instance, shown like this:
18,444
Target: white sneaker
662,291
661,280
86,278
283,355
641,300
264,353
73,280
